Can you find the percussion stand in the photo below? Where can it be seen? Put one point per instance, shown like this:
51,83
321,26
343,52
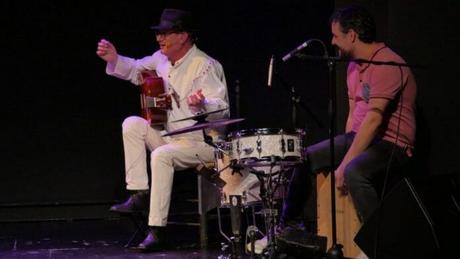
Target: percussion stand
270,213
236,208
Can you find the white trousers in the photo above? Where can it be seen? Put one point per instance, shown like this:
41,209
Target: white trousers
167,155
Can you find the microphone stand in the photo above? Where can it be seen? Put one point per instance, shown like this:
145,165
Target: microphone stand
336,249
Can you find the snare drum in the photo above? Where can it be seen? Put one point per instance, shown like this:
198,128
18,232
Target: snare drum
260,147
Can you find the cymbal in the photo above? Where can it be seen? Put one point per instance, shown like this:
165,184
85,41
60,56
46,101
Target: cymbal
200,116
205,125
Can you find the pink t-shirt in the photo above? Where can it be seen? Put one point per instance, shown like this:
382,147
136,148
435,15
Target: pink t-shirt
383,81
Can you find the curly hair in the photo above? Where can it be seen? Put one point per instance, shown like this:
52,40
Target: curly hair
357,18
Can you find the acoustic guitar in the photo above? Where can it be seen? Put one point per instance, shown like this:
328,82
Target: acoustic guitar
154,100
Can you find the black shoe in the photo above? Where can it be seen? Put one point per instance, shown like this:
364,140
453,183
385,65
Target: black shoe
153,241
137,202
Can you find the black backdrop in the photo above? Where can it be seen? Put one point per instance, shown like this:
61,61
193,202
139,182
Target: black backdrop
62,114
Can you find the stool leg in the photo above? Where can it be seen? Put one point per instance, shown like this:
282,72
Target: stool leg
203,231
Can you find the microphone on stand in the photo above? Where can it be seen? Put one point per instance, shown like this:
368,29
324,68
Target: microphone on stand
294,51
270,71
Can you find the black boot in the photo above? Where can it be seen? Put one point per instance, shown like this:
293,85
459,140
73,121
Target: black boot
137,202
154,240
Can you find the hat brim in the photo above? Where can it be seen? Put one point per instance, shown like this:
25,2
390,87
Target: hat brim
161,28
164,26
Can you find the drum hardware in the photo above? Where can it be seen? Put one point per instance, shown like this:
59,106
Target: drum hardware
203,125
277,151
270,213
259,145
248,150
237,203
238,150
210,174
269,181
201,116
251,233
285,145
235,241
221,148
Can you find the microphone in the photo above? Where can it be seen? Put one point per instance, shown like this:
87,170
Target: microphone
270,71
294,51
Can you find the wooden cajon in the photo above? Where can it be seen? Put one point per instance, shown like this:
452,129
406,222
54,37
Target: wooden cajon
347,219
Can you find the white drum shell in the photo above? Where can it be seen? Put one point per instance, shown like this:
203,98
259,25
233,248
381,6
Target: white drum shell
266,144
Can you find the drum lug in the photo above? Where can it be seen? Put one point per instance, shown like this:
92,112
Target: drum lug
259,145
283,145
238,150
248,150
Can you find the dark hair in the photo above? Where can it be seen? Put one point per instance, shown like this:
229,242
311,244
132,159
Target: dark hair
357,18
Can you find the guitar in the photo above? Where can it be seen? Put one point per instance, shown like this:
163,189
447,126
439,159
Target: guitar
154,101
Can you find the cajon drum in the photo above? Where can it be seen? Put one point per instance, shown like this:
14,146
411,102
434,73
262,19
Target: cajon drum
347,219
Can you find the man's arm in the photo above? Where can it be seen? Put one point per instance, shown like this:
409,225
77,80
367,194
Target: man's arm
366,133
351,108
212,93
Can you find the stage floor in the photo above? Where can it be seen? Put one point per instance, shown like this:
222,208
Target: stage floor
95,239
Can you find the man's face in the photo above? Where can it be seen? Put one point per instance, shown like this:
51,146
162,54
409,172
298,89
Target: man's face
342,41
170,42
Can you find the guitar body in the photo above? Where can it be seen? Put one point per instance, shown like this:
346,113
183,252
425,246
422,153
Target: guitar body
154,101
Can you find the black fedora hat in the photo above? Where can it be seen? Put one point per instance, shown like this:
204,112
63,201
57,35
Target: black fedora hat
175,20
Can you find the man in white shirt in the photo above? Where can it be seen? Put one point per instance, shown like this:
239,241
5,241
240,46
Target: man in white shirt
197,83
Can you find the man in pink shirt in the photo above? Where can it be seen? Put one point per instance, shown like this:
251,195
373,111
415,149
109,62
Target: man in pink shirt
380,129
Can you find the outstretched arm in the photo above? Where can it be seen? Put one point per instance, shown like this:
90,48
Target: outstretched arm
107,51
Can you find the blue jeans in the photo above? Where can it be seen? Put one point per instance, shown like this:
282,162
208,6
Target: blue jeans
364,175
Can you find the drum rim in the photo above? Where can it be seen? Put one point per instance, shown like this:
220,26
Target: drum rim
265,131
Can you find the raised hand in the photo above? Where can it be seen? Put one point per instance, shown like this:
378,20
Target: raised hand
107,51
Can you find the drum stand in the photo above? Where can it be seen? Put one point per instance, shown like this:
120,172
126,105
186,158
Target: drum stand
234,242
268,188
237,207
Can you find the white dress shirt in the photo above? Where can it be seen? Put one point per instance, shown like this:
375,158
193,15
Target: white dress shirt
196,70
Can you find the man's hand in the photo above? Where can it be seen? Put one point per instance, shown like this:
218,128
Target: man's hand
107,51
340,180
196,101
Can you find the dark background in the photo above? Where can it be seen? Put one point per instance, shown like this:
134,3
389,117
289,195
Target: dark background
62,114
